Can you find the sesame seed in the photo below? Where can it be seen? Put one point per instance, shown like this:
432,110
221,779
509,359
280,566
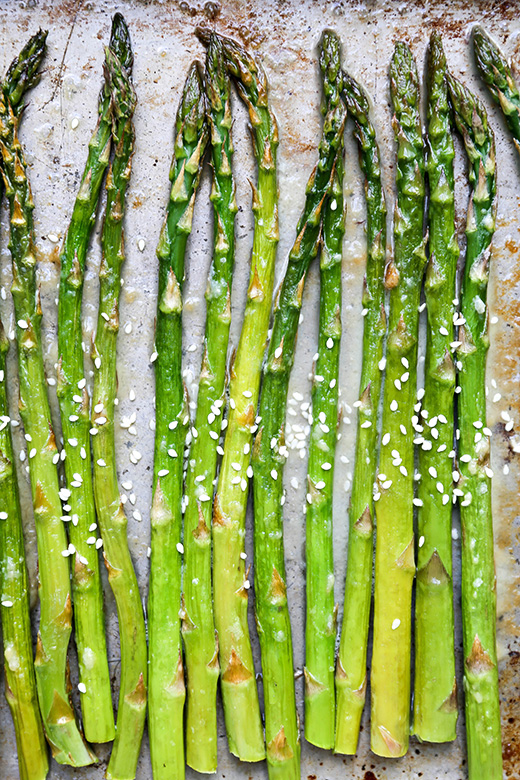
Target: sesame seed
3,515
443,331
326,466
278,352
403,471
386,439
394,406
382,364
396,623
7,603
99,544
163,473
101,462
274,474
397,383
421,541
417,502
236,466
180,547
330,343
23,324
320,485
465,458
366,424
402,429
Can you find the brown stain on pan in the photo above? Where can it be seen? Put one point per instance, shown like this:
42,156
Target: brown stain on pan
510,682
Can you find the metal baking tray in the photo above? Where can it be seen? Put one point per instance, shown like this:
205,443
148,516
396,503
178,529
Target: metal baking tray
283,34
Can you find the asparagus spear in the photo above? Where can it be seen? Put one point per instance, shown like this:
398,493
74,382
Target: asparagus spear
496,72
166,701
320,625
58,716
20,683
352,657
96,698
230,583
198,626
395,566
111,517
435,690
478,570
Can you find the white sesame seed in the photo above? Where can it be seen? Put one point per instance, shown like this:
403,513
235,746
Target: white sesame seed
396,623
180,547
274,474
417,502
421,541
330,343
163,473
278,352
382,364
153,357
386,439
394,406
326,466
366,424
402,429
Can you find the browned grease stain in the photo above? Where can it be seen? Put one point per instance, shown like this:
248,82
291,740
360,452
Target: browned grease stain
510,682
137,202
511,245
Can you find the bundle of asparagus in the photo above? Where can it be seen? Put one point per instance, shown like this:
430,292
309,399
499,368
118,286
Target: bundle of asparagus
20,682
111,516
166,681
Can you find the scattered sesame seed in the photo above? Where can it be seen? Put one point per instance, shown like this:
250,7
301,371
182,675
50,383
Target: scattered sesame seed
163,473
366,424
330,343
417,502
421,541
443,331
382,364
278,352
396,623
153,357
394,406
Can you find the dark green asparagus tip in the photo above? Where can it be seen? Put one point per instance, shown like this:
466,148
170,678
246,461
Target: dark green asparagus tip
23,71
251,79
404,80
191,114
119,78
330,64
437,57
217,81
492,64
470,115
120,42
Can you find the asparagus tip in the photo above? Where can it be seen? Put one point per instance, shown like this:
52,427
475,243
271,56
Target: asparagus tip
120,41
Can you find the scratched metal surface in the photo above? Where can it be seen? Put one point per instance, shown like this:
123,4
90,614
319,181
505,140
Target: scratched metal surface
284,35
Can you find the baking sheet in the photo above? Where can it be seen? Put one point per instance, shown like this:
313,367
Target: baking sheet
284,35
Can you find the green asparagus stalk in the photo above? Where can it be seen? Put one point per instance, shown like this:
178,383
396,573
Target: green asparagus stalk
22,74
320,625
351,665
478,570
111,517
395,566
167,693
198,626
496,72
96,698
230,583
435,690
20,682
274,629
61,728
